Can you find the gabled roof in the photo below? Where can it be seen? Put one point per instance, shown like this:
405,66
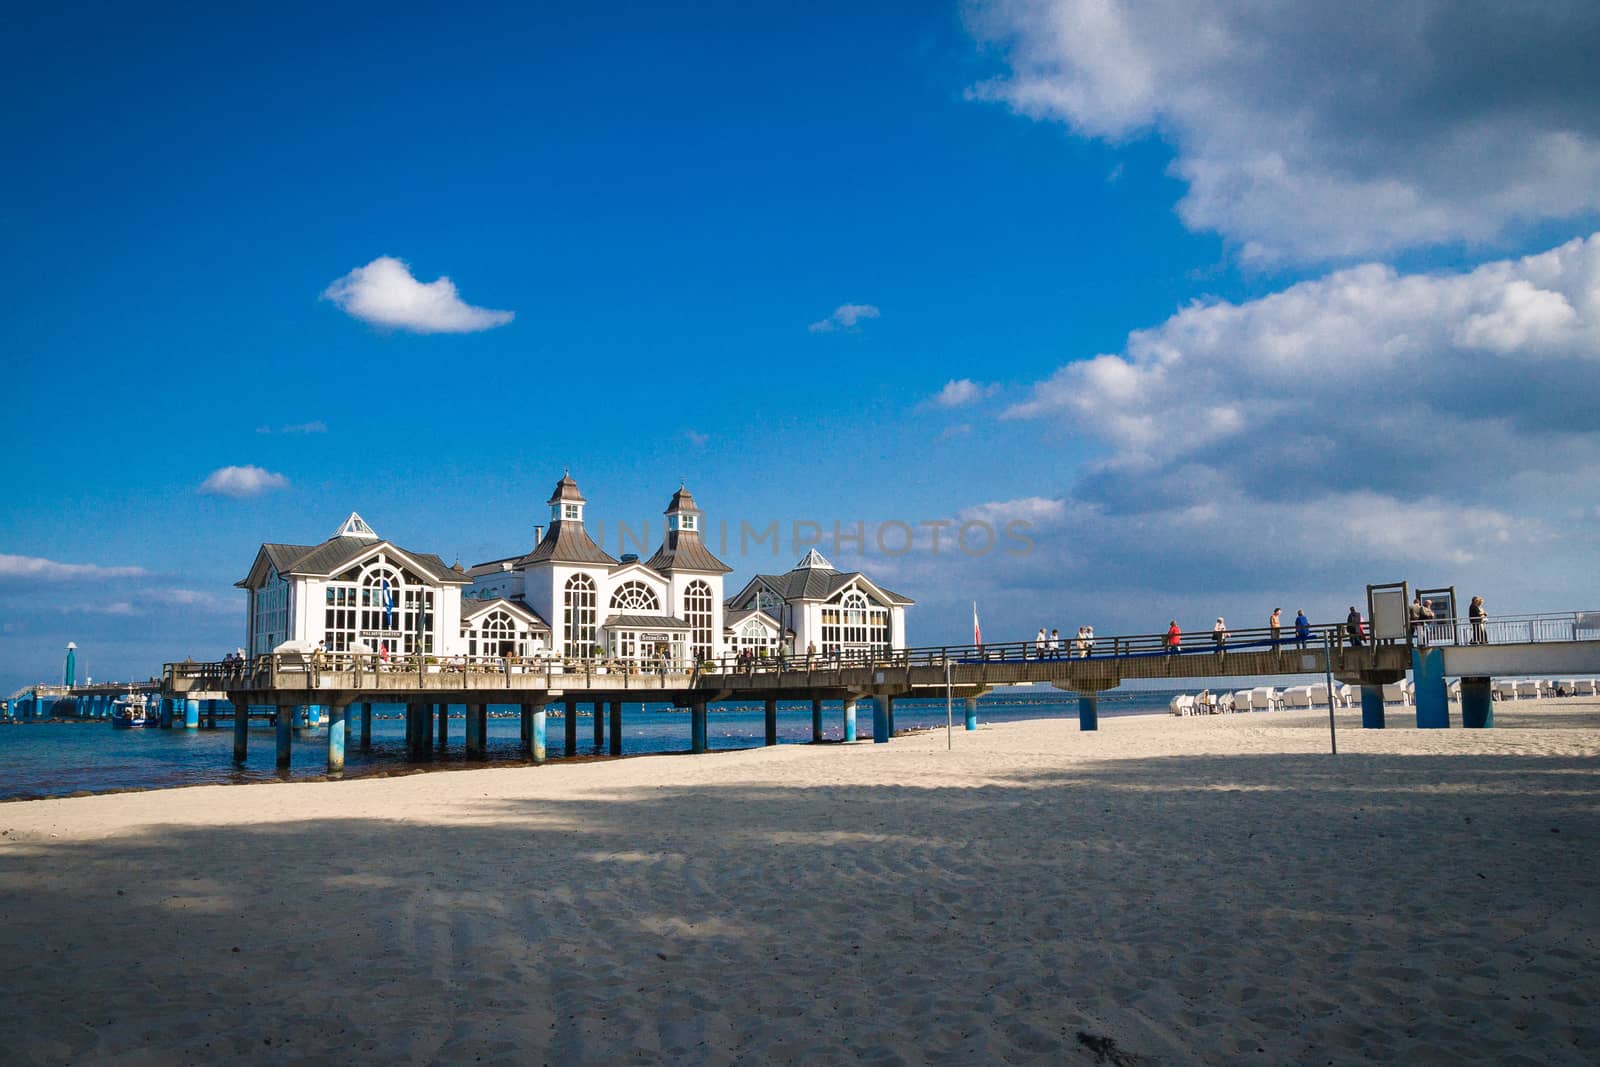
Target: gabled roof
337,553
645,622
471,609
646,573
493,566
735,618
813,583
279,557
566,541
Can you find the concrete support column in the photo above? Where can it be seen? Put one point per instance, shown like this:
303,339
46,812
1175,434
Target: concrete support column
285,732
525,722
888,702
597,710
1372,707
972,713
211,715
880,721
697,728
1088,711
1477,703
616,727
366,726
537,738
191,714
816,721
443,711
336,738
849,720
477,717
241,732
166,712
1428,689
569,711
417,733
772,722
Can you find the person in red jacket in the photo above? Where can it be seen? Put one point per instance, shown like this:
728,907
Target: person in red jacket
1174,637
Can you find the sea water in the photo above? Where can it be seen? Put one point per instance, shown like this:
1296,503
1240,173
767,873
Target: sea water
61,758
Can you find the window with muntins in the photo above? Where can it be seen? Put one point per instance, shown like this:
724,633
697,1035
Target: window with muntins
380,605
635,598
697,613
579,628
850,621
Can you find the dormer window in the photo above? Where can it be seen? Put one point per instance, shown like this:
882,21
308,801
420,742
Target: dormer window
574,512
685,522
570,511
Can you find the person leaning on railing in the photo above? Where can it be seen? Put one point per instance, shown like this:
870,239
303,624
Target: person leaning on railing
1479,619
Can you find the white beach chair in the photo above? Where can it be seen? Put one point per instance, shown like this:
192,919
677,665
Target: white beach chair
1453,691
1587,688
1264,698
1348,695
1182,704
1396,693
1505,688
1530,687
1242,702
1298,696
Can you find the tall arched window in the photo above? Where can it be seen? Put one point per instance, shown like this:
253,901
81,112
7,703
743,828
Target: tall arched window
580,615
635,598
853,621
697,613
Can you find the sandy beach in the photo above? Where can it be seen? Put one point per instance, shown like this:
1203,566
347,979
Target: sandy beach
1166,891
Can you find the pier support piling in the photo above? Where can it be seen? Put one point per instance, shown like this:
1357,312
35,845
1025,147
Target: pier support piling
888,708
477,720
525,727
285,725
1477,703
1088,711
417,732
444,724
241,732
1428,690
337,735
569,722
191,714
880,720
536,739
166,713
366,727
771,709
1372,707
849,720
697,728
598,711
972,712
616,727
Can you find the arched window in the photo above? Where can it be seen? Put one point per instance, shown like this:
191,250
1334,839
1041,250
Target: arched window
853,621
635,598
378,604
580,616
697,613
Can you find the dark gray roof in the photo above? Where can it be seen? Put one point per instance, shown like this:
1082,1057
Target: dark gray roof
682,501
283,556
734,618
814,583
684,551
491,567
645,622
566,541
566,492
471,608
334,554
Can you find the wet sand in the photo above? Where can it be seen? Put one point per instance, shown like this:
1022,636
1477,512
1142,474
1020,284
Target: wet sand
1210,889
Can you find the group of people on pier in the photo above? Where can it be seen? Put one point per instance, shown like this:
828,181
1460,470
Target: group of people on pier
1051,645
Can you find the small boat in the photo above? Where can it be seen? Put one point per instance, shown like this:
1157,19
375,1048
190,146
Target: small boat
130,712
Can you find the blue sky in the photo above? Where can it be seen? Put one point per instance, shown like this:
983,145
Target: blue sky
1251,308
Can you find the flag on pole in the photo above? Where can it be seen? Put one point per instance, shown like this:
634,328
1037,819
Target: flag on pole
388,606
977,631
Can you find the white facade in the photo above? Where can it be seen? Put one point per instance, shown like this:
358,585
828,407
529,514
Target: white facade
827,610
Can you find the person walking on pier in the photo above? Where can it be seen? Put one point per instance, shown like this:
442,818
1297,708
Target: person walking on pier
1174,638
1352,626
1038,644
1055,644
1219,635
1275,623
1478,617
1088,641
1302,627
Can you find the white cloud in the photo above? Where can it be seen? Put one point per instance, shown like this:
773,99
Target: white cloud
119,608
959,392
1312,131
696,438
385,294
315,426
845,317
241,482
37,567
1034,510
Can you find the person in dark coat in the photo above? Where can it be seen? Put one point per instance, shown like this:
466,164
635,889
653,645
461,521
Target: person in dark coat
1352,626
1302,628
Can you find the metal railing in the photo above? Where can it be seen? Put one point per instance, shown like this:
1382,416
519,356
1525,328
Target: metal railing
1510,629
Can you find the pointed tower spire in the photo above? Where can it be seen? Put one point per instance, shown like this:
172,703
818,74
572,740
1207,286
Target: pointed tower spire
356,526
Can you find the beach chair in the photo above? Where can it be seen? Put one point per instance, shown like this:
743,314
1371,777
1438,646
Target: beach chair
1586,688
1453,691
1395,693
1298,696
1242,701
1505,689
1530,688
1182,704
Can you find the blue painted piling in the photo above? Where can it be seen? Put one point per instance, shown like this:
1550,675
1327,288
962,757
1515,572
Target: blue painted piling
1477,703
336,738
597,712
849,720
443,711
1372,707
972,713
285,722
816,721
191,714
1428,690
366,727
697,728
772,722
241,732
537,738
888,712
1088,711
569,711
477,718
166,712
880,721
616,727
